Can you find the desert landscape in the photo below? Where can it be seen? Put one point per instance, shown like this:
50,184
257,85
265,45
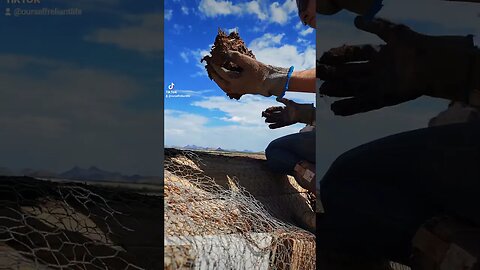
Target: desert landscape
68,224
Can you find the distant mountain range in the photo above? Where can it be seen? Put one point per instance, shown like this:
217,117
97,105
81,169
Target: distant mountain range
201,148
77,173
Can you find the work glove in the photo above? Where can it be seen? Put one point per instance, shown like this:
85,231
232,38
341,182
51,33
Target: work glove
329,7
408,66
255,77
292,113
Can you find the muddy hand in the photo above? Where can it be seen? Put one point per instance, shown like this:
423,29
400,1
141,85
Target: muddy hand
255,77
408,66
292,113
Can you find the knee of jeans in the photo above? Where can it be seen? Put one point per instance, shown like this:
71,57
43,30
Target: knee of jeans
272,154
269,150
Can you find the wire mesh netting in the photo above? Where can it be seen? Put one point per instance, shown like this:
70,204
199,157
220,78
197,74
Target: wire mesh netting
208,226
51,225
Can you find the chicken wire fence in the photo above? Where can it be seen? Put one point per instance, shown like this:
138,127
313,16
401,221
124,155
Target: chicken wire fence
208,226
48,225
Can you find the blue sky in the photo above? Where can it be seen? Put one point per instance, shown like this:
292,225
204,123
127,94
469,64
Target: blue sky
209,118
83,90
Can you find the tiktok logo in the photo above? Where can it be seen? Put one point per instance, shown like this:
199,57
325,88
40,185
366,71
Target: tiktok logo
171,86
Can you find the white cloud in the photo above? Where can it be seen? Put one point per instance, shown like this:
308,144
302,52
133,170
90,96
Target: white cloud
143,34
246,111
298,26
304,42
242,120
181,124
253,7
281,13
269,49
290,6
302,29
306,32
195,56
184,56
259,28
278,14
214,8
301,97
168,14
253,138
185,10
275,13
267,40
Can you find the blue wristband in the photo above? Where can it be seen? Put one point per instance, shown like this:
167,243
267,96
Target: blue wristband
289,75
374,9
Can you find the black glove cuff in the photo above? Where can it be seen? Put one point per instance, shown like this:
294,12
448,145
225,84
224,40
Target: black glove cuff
308,114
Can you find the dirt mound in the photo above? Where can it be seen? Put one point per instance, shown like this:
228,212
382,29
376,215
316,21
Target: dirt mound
279,194
218,54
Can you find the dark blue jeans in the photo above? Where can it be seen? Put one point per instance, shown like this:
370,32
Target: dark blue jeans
377,195
283,153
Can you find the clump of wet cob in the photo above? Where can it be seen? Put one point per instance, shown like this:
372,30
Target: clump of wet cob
218,54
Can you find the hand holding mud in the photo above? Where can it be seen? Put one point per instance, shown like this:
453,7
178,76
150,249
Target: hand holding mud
408,66
291,114
255,77
235,70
